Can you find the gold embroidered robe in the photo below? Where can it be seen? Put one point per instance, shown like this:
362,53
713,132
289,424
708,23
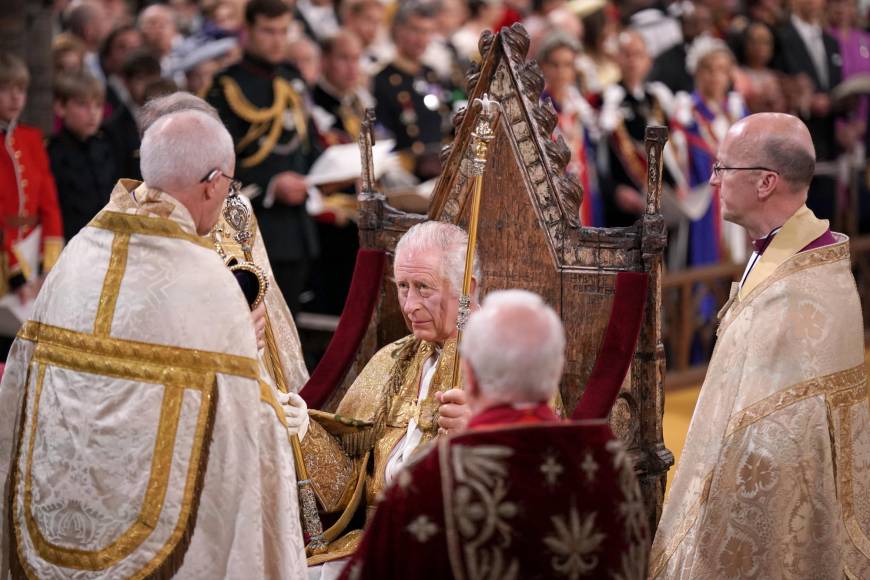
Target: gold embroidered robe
137,437
347,454
282,356
774,479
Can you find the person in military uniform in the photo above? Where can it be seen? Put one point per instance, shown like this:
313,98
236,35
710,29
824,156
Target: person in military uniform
28,197
340,101
261,101
411,102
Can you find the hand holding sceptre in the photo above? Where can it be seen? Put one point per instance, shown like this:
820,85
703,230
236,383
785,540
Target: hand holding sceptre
238,217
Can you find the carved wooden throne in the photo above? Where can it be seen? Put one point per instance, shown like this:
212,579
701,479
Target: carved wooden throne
530,237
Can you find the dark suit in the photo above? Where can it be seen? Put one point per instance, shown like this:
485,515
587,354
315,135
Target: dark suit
669,68
85,173
123,132
288,230
792,57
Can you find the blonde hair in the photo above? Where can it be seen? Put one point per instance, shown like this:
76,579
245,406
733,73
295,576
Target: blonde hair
13,71
79,85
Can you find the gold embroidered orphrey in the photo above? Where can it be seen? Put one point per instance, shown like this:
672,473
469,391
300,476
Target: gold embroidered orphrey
52,530
771,486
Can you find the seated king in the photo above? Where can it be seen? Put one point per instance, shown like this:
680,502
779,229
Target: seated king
403,398
520,493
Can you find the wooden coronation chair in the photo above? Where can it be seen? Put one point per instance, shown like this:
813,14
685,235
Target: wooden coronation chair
604,282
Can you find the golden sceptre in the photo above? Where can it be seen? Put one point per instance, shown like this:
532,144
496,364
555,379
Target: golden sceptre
480,138
238,217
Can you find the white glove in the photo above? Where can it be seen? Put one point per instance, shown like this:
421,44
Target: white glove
295,412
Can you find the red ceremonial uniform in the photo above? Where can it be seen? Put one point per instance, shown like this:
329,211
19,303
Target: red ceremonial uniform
519,495
28,198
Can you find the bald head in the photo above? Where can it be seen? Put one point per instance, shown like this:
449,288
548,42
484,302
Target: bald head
780,142
178,149
515,348
766,163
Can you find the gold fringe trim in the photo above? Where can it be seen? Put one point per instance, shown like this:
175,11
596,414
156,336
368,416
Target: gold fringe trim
404,356
18,567
168,561
357,443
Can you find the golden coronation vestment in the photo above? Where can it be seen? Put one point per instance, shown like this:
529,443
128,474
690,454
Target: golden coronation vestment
774,479
282,356
347,453
137,437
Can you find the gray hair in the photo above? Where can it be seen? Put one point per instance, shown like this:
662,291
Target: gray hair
515,344
450,240
703,48
173,103
180,148
795,163
555,41
429,9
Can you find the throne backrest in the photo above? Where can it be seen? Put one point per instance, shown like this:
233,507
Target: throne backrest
530,237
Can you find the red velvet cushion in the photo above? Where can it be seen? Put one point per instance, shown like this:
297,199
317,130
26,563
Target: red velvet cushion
617,348
361,299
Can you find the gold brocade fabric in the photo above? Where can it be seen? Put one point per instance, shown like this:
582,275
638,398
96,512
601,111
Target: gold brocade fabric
385,394
286,347
138,432
774,480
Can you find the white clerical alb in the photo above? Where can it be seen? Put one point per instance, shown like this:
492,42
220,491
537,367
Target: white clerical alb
406,446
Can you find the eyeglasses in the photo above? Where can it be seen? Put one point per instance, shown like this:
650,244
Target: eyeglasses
718,168
235,184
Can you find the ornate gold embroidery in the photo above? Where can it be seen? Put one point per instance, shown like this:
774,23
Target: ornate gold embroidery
797,263
478,509
152,503
686,524
844,475
112,284
574,544
269,119
145,225
331,471
834,384
149,358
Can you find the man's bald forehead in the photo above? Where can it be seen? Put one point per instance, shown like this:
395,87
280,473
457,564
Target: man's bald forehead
760,129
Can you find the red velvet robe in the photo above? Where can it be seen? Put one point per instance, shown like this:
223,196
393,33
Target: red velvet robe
520,495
